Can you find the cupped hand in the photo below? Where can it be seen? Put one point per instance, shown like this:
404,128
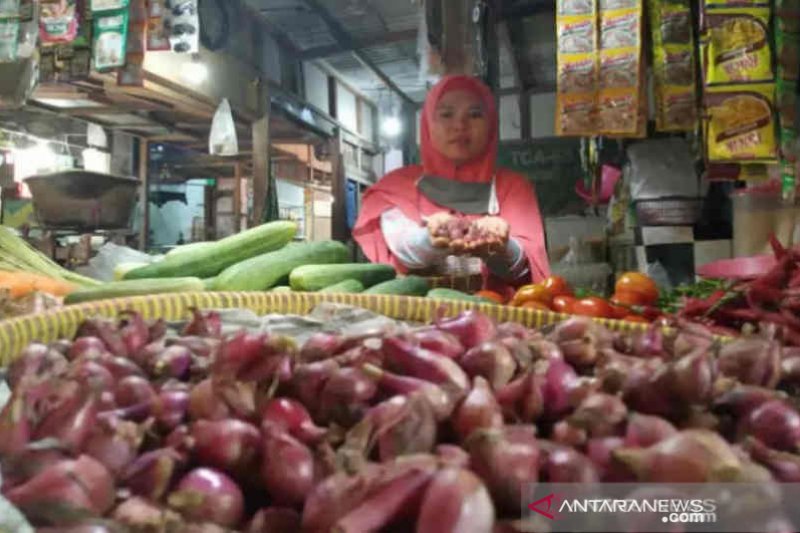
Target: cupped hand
438,225
487,236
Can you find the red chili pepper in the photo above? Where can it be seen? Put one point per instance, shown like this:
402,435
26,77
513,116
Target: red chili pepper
791,337
744,315
777,248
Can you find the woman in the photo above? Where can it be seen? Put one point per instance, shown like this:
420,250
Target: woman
405,216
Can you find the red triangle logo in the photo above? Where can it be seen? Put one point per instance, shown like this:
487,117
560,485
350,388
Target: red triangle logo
543,506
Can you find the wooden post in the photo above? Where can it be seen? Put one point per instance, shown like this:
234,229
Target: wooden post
260,169
237,196
144,194
525,114
338,191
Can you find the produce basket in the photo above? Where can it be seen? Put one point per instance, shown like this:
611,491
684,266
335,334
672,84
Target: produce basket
61,323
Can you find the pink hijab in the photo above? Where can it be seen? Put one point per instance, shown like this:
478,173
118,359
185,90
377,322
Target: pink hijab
518,204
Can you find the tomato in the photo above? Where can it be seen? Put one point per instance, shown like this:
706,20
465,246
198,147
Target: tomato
533,304
636,318
557,286
618,311
535,293
639,284
491,295
630,299
564,304
593,307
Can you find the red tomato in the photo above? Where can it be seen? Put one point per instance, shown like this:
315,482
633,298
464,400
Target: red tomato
627,298
636,318
593,307
618,311
564,304
491,295
532,304
532,293
557,286
638,283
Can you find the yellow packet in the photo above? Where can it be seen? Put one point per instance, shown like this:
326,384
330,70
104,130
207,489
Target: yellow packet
611,5
575,114
576,7
741,123
675,27
675,66
577,73
620,29
576,35
737,47
716,4
619,69
618,111
677,109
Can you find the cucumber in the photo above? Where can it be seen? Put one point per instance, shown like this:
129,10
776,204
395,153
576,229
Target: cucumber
139,287
450,294
348,286
407,286
281,288
209,283
208,261
265,271
313,277
192,246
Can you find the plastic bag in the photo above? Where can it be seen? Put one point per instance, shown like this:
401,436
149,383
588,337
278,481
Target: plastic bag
654,176
223,140
659,274
110,256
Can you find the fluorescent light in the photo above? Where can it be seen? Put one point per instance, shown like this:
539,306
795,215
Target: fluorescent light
392,126
194,72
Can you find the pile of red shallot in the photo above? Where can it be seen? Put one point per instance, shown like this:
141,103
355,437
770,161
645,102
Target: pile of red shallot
435,428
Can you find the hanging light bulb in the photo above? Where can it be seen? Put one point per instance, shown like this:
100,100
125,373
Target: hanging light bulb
392,127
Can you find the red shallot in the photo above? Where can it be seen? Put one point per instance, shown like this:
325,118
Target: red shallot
229,445
287,467
478,410
206,495
491,360
456,502
471,328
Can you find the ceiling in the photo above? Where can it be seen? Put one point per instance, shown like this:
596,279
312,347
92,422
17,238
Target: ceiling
385,35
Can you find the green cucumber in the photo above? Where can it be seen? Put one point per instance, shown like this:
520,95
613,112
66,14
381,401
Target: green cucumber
348,286
209,260
265,271
139,287
406,286
311,277
450,294
281,288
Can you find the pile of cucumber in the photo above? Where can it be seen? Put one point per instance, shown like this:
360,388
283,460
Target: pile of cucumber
261,259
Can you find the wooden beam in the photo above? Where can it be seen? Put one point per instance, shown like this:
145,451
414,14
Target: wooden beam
261,155
339,230
332,50
343,37
144,194
505,40
237,196
515,31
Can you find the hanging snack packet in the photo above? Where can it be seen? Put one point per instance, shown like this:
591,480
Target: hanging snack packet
58,21
741,123
577,73
102,6
618,111
577,68
576,35
737,47
610,5
575,7
110,39
677,110
575,115
619,69
620,29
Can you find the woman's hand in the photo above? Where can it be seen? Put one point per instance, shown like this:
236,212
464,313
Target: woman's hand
441,228
487,236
